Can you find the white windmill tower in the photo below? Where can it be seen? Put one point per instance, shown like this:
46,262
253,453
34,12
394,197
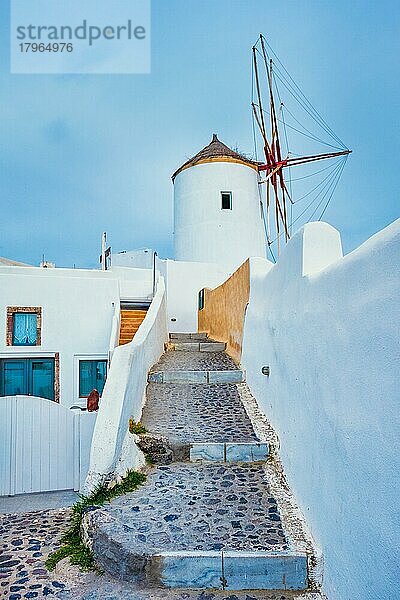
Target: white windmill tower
217,210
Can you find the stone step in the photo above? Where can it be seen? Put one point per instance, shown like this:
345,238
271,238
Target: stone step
103,587
163,451
191,413
228,452
209,346
186,337
198,526
194,361
232,570
186,376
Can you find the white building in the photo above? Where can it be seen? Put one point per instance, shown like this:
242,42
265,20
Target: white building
57,326
217,208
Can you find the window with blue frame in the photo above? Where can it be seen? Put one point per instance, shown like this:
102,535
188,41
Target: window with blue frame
92,375
25,329
24,326
28,377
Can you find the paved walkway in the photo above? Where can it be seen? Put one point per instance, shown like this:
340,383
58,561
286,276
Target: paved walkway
90,587
209,507
198,507
194,412
210,523
194,361
25,503
26,541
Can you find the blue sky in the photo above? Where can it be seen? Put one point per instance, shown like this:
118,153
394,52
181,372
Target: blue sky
80,154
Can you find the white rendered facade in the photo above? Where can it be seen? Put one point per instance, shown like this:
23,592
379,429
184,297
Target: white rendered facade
77,308
206,232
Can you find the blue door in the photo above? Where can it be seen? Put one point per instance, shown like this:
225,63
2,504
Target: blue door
27,376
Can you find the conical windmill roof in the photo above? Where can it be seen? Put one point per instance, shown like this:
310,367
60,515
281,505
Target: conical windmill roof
216,151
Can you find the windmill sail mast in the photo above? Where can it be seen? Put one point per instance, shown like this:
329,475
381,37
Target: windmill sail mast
277,194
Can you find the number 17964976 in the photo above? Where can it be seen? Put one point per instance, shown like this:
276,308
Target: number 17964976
51,47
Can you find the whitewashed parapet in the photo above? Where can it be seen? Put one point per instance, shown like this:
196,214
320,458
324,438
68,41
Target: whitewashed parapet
322,247
113,447
327,329
115,326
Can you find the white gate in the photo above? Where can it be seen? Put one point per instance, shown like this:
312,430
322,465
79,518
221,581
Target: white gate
43,445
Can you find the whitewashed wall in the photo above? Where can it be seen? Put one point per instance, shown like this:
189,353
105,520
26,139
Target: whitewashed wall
328,327
205,233
141,258
134,283
78,306
184,281
113,447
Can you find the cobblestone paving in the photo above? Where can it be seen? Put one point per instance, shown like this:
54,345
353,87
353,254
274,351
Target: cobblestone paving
26,541
198,507
114,591
197,413
194,361
103,588
183,506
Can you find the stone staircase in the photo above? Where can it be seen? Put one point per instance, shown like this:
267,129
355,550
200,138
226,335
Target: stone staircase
207,517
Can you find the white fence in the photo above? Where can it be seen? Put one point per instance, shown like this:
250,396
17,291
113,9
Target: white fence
43,445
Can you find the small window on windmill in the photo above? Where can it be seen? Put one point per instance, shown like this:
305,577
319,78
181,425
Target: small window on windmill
226,200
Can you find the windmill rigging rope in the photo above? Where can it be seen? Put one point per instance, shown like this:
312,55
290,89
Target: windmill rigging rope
328,131
305,97
325,190
300,94
330,198
316,172
252,113
303,100
331,189
333,166
311,136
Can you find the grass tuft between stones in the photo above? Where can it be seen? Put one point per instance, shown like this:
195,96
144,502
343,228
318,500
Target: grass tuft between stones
72,544
137,428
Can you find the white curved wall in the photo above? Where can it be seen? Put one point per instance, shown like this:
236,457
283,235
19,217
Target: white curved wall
113,449
328,328
203,232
